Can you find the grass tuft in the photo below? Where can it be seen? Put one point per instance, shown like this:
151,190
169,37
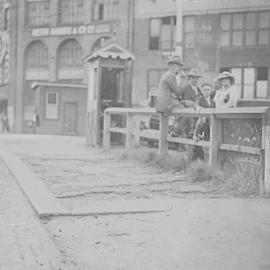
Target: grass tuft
200,171
224,182
175,161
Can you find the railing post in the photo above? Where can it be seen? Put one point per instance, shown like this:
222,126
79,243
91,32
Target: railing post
163,133
137,120
215,140
130,131
106,130
266,142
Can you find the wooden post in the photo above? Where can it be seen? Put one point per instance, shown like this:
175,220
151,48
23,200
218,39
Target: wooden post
163,133
106,131
215,140
266,146
130,131
137,130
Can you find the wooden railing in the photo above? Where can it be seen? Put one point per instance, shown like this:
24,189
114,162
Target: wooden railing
249,136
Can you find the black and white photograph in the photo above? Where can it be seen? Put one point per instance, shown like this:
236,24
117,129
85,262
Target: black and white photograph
134,134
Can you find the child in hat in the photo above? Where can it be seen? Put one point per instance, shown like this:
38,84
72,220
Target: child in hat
202,129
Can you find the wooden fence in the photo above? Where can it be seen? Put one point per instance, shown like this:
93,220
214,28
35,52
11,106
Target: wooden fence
238,136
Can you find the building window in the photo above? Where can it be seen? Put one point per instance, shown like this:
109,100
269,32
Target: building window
262,82
263,28
106,10
70,54
245,29
6,19
37,13
37,55
70,11
52,105
189,30
162,33
252,82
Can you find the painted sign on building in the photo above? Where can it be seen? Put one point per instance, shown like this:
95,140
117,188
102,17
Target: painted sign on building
72,30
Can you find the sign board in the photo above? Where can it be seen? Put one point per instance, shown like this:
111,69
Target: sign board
72,30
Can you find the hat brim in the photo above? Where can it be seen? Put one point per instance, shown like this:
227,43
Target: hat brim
232,79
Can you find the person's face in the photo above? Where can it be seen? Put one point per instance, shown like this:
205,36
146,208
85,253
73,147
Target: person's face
194,80
175,68
207,90
226,83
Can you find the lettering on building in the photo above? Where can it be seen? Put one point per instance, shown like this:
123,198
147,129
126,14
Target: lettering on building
72,30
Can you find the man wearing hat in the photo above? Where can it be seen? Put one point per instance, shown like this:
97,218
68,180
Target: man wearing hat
169,90
228,94
188,96
192,91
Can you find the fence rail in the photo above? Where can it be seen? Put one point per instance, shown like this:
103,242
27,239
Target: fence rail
243,130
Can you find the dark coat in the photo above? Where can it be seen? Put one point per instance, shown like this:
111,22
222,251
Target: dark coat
168,93
202,102
189,94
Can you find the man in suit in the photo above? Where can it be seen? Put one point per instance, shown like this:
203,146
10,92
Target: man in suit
169,89
192,91
186,126
189,93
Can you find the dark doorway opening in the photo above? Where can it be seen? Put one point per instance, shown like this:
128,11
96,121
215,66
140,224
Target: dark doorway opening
70,118
112,96
3,106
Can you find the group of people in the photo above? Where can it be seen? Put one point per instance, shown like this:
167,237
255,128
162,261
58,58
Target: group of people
175,94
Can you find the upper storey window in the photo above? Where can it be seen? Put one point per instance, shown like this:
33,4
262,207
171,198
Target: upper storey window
104,10
245,29
162,33
37,13
70,11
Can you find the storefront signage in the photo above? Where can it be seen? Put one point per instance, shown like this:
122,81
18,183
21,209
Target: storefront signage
71,30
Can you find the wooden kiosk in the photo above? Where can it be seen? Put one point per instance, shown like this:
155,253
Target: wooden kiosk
109,86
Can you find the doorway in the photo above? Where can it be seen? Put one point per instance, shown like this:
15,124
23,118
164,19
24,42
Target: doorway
70,118
112,95
111,90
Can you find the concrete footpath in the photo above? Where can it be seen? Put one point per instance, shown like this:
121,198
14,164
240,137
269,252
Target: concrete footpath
24,243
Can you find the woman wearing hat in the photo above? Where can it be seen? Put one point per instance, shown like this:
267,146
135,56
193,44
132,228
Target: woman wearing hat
169,90
228,94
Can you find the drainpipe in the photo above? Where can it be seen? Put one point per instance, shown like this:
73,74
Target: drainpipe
130,46
13,32
179,29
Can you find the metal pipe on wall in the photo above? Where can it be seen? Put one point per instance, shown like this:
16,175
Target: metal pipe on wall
179,29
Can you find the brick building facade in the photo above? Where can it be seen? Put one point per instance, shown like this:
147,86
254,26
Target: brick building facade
50,37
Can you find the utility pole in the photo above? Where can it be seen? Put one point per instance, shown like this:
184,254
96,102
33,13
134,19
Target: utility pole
179,29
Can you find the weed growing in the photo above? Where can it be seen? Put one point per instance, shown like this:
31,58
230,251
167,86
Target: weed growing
175,161
223,181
